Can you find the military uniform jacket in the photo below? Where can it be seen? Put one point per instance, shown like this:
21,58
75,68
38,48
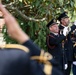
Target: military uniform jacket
54,44
13,60
46,66
73,37
68,45
20,60
74,48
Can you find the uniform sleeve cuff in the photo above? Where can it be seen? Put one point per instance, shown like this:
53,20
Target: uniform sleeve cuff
34,49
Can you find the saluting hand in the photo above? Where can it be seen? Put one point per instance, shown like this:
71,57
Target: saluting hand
65,31
12,25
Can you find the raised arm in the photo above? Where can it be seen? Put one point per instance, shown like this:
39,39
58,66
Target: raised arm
13,28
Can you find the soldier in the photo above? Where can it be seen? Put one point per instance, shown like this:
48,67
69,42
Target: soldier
73,37
33,61
54,42
68,45
74,53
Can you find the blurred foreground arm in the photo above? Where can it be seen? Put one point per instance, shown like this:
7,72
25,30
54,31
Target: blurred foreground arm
13,28
17,33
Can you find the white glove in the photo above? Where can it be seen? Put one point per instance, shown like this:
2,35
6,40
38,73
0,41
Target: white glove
65,31
65,66
69,29
74,62
75,22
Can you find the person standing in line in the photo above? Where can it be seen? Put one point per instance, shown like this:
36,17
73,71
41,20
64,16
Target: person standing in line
54,42
33,61
74,52
68,45
73,37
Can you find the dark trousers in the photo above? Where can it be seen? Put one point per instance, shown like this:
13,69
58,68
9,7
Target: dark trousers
67,71
74,69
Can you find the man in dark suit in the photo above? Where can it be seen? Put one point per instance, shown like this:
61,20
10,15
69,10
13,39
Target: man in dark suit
68,45
54,42
16,60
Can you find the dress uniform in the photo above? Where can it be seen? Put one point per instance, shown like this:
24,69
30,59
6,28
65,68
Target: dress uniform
73,37
17,60
68,45
20,60
47,65
55,46
14,60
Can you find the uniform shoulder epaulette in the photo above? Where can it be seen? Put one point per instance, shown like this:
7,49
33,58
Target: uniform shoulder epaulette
16,46
44,59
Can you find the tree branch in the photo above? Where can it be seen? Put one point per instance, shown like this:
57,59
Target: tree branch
10,6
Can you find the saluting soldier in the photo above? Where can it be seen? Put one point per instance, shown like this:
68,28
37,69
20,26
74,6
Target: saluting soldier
54,42
68,45
20,60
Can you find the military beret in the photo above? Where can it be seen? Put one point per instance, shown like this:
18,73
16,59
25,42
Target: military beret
52,22
63,15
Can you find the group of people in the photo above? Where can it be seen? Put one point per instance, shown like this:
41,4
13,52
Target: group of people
25,58
29,59
61,43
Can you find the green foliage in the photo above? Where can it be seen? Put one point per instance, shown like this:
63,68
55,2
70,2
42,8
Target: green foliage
38,9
